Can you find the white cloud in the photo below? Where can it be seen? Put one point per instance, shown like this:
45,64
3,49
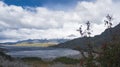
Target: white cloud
17,23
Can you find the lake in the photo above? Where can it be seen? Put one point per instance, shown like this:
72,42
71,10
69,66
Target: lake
40,52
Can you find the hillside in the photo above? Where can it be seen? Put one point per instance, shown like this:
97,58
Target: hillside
36,41
96,40
35,44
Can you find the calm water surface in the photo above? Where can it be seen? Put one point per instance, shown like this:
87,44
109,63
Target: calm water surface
40,52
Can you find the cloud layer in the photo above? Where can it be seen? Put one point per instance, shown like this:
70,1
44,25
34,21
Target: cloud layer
17,23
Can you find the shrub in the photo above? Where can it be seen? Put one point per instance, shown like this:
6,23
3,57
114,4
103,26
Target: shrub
31,59
66,60
110,55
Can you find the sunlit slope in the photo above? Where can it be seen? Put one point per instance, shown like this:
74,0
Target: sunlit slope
36,44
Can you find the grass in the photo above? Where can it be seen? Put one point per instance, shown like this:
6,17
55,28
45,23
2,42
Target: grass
66,60
63,60
38,62
35,60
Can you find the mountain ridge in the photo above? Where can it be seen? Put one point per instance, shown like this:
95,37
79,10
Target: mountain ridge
97,40
36,41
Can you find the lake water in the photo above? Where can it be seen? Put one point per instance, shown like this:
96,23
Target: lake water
44,53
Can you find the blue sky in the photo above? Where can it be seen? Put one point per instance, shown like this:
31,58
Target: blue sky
34,3
50,4
53,18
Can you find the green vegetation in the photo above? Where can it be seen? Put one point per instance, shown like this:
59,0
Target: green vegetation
63,60
110,55
8,61
8,57
31,59
35,60
66,60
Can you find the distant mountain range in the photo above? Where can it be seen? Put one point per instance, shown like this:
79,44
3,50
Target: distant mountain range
78,42
97,41
37,41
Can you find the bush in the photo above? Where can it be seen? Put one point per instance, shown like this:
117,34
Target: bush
31,59
66,60
110,55
5,56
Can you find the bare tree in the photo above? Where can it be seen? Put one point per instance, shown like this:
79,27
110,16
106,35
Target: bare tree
82,34
90,50
80,30
88,25
108,22
88,30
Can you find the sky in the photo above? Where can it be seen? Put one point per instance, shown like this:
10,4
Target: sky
48,19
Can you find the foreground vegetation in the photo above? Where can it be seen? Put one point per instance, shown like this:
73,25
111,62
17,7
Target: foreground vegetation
37,62
109,53
8,61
